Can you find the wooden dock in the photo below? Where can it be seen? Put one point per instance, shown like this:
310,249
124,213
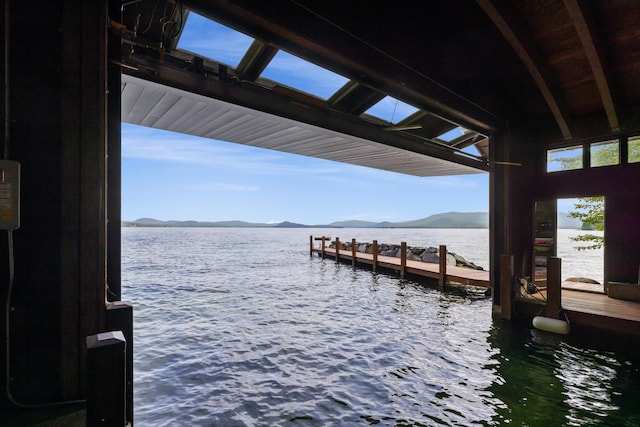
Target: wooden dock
441,272
586,305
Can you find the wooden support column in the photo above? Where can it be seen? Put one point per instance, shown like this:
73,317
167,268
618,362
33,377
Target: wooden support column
311,245
554,287
506,290
106,391
337,249
403,258
353,252
323,246
120,318
442,270
375,255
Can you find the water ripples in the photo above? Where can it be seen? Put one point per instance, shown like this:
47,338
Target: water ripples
242,328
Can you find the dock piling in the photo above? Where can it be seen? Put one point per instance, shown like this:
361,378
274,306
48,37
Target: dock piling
442,276
506,288
353,252
554,287
403,258
375,256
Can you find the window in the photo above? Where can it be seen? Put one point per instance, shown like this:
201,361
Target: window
303,75
452,134
567,158
212,40
634,149
605,153
391,110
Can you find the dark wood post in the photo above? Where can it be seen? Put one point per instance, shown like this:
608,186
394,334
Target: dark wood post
554,287
311,245
403,258
323,246
442,264
120,318
106,368
353,252
375,255
337,249
506,288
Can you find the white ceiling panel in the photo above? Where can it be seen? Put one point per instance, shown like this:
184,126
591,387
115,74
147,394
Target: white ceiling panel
150,104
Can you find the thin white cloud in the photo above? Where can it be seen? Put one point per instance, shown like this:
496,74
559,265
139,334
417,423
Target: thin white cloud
198,151
225,186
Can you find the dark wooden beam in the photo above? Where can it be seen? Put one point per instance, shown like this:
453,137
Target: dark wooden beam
255,60
595,61
272,102
348,56
550,97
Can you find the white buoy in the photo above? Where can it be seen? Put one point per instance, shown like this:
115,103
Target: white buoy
548,324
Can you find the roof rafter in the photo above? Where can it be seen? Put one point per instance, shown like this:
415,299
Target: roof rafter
595,61
549,96
255,60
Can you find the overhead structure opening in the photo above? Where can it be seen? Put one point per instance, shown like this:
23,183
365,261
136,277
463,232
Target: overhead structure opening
217,82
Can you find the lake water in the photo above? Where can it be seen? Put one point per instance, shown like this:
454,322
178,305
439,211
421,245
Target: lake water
241,327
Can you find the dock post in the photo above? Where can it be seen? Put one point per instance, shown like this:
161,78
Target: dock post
106,372
554,287
353,252
337,249
311,245
442,270
323,240
506,288
375,256
403,258
120,318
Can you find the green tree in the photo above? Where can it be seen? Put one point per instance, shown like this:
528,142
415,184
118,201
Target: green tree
589,210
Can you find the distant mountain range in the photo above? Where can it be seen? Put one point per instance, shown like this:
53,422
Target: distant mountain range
441,220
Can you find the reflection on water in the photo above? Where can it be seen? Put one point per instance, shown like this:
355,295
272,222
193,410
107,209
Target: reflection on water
549,379
240,327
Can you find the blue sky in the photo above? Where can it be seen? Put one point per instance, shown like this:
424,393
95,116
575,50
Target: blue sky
170,176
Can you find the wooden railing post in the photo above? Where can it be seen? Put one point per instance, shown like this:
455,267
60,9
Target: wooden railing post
337,249
442,270
554,287
375,255
311,245
323,246
506,287
353,252
403,258
106,371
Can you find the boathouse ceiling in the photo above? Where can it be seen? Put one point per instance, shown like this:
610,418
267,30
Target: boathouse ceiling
455,72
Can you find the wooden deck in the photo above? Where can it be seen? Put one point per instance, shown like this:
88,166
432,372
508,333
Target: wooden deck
452,274
587,306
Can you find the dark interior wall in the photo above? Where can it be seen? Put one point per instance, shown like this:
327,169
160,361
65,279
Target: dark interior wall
620,185
57,115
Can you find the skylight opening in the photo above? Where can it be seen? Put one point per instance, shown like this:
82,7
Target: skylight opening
214,41
391,110
299,74
452,134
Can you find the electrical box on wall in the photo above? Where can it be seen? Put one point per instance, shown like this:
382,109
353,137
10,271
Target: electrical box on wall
9,195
